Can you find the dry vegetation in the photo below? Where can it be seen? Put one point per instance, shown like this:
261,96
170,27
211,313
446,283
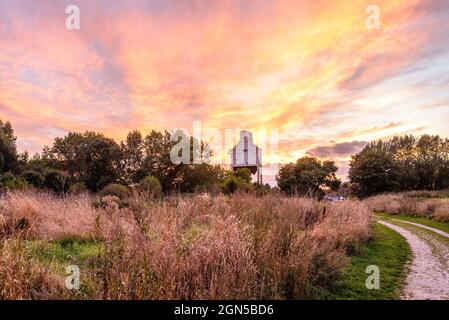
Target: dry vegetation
422,204
238,247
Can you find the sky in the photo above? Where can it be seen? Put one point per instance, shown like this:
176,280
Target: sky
311,71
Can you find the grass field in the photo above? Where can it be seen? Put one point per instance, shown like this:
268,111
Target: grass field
390,252
236,247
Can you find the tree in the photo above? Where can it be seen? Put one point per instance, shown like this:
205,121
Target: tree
401,163
232,184
374,171
87,157
9,181
37,163
308,176
34,178
261,189
133,157
202,178
56,181
157,162
432,159
8,148
404,157
244,174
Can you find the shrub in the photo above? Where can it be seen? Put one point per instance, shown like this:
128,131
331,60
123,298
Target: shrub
55,180
34,178
78,188
151,185
114,189
260,189
244,174
9,182
233,184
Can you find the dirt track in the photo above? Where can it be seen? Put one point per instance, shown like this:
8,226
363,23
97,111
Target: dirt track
428,274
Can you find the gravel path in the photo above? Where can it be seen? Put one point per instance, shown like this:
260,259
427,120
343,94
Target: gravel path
428,276
440,232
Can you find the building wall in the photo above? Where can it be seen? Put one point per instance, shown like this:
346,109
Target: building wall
241,158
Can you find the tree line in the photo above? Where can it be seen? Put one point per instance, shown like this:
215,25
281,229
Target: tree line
401,164
92,161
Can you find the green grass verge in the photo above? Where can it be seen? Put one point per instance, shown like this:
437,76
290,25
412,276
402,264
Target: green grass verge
57,255
428,222
390,252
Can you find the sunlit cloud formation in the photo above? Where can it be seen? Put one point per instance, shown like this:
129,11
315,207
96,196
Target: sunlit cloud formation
310,69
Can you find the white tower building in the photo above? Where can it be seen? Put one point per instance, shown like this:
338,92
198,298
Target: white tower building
245,154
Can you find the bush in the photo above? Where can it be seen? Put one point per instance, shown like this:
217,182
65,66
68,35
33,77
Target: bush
55,180
34,178
9,182
244,174
151,185
114,189
261,189
78,188
233,184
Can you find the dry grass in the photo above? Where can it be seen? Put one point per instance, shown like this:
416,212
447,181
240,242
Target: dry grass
432,208
21,277
239,247
47,216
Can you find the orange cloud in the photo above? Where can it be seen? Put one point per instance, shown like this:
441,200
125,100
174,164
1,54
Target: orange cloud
311,70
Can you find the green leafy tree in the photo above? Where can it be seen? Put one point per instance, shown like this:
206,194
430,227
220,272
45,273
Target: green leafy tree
9,182
34,178
308,176
432,161
202,178
244,174
133,157
232,184
403,150
8,149
374,171
401,163
157,161
87,157
37,163
56,181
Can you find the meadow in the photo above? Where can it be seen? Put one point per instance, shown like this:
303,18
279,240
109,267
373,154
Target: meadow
241,246
433,205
